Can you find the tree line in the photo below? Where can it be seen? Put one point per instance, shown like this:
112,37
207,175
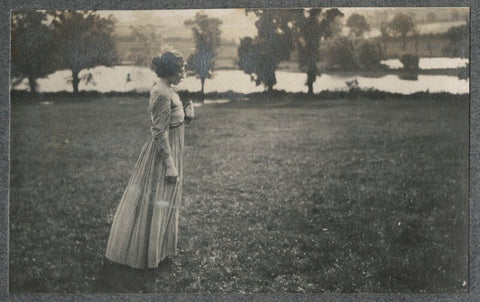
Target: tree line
46,41
280,32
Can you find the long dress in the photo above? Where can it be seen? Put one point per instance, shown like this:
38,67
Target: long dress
145,227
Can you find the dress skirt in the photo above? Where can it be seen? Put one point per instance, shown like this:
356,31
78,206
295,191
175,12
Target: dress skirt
145,227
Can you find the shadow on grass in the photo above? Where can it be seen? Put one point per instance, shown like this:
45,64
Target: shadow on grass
118,278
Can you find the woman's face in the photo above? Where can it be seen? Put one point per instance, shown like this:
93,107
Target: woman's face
178,77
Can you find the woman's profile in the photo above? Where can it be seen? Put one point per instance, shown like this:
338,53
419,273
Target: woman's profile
145,226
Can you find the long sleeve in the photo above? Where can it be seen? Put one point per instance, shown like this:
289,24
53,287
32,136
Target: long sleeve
160,115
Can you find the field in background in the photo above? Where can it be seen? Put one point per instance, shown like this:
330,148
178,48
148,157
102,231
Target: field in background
280,195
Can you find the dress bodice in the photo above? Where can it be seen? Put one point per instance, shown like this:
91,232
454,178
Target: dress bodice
160,96
166,110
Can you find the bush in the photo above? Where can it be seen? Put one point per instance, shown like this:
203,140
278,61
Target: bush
353,88
458,37
410,61
370,54
340,55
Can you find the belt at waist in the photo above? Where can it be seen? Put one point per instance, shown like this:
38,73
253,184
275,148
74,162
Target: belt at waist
175,125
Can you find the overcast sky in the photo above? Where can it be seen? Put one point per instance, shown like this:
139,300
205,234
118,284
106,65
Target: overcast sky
236,23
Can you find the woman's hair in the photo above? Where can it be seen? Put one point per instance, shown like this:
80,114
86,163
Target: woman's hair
168,64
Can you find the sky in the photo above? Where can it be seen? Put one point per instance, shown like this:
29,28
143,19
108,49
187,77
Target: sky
237,24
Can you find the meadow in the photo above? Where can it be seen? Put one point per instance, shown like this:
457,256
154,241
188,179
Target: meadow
281,195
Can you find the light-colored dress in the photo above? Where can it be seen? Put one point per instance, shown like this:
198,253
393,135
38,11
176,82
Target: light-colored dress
145,226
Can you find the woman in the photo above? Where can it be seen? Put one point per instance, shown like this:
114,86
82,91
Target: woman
144,230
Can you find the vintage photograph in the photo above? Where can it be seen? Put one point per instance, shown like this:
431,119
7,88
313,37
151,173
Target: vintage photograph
263,150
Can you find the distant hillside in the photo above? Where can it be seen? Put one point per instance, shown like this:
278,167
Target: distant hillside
430,42
227,53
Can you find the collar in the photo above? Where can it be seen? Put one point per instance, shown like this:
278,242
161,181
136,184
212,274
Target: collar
163,82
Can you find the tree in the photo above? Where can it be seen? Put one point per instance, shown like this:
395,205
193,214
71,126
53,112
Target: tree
31,47
370,54
401,25
410,61
206,34
334,28
257,62
274,43
311,27
146,44
385,30
83,39
358,25
458,37
340,54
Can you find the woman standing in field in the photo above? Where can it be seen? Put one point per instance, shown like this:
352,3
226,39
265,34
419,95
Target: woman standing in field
144,230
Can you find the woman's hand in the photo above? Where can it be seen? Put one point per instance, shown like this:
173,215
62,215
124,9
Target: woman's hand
171,174
188,109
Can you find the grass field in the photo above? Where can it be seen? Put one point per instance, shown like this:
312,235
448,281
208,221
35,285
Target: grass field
284,195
